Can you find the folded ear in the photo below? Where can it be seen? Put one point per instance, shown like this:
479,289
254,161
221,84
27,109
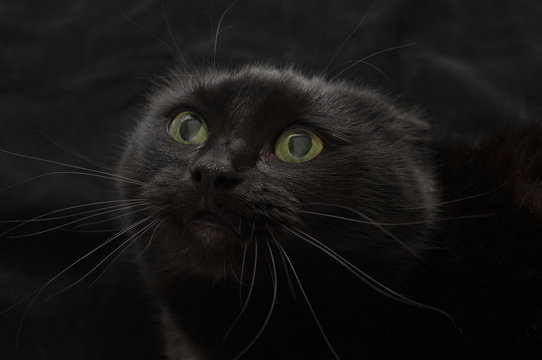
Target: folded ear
411,123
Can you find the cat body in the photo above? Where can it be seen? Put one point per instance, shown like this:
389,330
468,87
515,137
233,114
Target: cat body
384,244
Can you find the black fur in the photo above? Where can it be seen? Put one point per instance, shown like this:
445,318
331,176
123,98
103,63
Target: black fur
475,259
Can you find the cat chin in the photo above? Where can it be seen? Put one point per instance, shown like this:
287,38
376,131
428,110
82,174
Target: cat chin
208,265
209,236
205,251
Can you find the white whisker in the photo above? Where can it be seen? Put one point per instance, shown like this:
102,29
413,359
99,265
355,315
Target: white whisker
179,53
124,214
42,217
139,234
249,294
36,293
93,231
78,220
271,308
217,32
461,199
151,238
358,25
367,279
371,221
136,235
364,60
119,177
70,151
241,275
288,277
63,173
233,273
162,41
283,251
397,224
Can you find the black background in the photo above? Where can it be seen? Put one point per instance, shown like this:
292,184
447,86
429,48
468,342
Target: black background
77,71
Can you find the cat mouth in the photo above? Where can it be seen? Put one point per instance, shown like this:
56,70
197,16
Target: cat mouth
205,218
210,230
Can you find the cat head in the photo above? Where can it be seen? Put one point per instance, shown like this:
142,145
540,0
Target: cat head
271,156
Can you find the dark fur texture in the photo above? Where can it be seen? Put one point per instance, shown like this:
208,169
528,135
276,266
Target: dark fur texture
379,168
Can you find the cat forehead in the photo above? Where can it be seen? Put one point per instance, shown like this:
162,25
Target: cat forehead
249,89
268,98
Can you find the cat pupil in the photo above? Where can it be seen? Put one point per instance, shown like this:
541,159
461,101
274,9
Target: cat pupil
190,128
299,145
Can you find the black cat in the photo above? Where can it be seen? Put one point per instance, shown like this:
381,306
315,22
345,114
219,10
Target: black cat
291,217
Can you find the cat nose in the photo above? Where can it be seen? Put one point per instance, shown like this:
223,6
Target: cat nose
212,173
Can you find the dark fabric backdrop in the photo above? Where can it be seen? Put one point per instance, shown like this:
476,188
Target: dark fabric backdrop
76,72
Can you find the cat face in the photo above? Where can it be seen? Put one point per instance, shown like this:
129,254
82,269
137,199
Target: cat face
264,155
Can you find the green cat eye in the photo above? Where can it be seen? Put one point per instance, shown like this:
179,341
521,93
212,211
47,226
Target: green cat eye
188,128
298,146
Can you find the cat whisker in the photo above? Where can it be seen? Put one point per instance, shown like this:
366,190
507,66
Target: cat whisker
461,198
217,32
367,279
364,60
36,293
286,271
151,238
90,231
321,32
397,224
466,217
124,214
79,220
128,241
371,221
234,274
122,251
181,256
243,261
241,273
43,216
178,57
61,173
211,20
249,294
115,176
70,151
336,217
298,280
223,30
179,53
358,25
271,308
376,68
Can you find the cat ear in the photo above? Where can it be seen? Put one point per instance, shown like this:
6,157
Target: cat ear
412,124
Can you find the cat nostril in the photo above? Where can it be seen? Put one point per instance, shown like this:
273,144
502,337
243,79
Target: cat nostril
196,175
212,177
224,181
